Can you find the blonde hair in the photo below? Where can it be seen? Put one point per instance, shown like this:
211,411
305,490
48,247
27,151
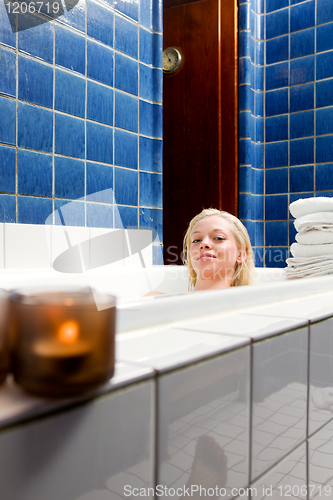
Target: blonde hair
243,271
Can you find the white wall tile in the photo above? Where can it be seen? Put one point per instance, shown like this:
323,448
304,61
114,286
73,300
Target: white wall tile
287,479
321,463
26,246
98,447
279,392
2,246
203,424
138,245
70,246
321,374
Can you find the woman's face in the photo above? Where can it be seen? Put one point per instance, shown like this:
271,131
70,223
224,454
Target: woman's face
214,253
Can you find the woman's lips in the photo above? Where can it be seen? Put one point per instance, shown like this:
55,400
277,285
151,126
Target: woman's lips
205,257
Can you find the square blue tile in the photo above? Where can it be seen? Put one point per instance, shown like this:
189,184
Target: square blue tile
259,52
126,186
259,233
244,44
99,103
276,208
257,77
150,50
276,256
7,37
277,76
301,124
245,174
126,36
258,256
146,8
259,129
246,201
301,152
150,119
257,155
272,5
100,22
258,207
70,49
35,127
126,112
126,217
130,9
324,11
150,190
250,227
35,82
276,233
157,255
302,16
302,97
125,149
38,41
324,177
157,15
324,67
324,93
276,155
245,98
244,124
99,143
301,179
277,50
75,15
126,74
33,210
324,121
34,172
244,70
302,43
258,6
277,181
324,149
244,16
69,178
99,215
7,169
150,154
277,23
325,37
258,178
151,81
277,102
152,218
276,128
257,25
244,151
69,136
302,70
8,72
70,93
258,104
99,63
7,208
69,214
99,183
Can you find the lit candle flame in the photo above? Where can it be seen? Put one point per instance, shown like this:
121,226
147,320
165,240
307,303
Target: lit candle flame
68,332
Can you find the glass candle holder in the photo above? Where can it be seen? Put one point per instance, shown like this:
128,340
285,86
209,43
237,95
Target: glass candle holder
61,344
4,337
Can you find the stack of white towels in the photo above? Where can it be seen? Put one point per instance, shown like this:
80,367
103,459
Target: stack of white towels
313,252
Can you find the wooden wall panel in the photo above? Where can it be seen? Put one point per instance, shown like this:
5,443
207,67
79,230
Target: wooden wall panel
199,119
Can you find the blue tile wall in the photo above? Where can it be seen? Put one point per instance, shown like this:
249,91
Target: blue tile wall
285,126
81,115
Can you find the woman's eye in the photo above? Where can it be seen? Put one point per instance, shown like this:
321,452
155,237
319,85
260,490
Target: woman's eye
219,238
195,241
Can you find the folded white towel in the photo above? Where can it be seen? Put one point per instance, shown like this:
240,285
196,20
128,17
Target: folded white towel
305,206
314,237
306,267
298,250
308,273
322,221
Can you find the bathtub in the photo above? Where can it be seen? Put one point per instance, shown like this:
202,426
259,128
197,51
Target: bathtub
250,368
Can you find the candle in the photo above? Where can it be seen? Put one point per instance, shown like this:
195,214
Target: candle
62,344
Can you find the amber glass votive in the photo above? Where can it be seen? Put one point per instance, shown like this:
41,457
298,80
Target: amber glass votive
62,345
4,337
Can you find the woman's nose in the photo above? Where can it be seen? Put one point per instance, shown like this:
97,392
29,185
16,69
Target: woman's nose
205,243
